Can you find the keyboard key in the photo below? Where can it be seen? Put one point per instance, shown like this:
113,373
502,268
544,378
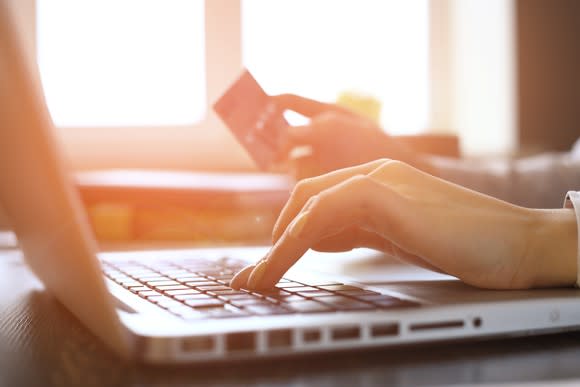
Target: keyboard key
148,293
223,313
205,303
248,301
358,293
289,284
131,284
219,274
301,289
161,283
158,299
140,271
308,306
155,277
339,288
119,277
191,278
138,289
270,293
175,273
198,296
315,293
345,303
171,287
222,276
236,297
227,292
284,299
319,283
212,288
204,283
182,291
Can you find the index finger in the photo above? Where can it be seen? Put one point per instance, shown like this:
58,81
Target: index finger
305,106
307,188
345,206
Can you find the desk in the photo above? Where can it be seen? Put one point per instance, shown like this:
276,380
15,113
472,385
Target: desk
42,344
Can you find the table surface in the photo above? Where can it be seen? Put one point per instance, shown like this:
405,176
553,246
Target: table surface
41,343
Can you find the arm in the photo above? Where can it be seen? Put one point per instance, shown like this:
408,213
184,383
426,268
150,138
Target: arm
421,219
339,138
538,182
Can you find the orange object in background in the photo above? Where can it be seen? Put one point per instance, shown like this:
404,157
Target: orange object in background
434,144
205,208
363,104
183,206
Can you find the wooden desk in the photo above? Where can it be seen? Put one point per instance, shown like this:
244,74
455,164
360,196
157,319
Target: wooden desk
42,344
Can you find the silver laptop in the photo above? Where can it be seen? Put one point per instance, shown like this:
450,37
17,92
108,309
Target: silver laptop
176,306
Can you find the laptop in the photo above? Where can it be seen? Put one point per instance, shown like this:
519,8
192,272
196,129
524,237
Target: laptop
176,306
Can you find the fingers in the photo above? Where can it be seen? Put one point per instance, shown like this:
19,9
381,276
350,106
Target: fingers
348,204
241,278
305,189
318,130
307,135
296,136
305,106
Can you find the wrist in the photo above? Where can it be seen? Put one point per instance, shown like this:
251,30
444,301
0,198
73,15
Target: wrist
553,252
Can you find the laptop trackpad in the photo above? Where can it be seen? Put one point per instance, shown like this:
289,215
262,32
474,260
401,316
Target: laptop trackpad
453,291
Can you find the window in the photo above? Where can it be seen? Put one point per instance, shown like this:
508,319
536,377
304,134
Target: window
322,48
158,115
122,63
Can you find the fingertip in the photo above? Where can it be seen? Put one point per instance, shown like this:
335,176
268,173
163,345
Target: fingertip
268,279
254,280
241,278
302,105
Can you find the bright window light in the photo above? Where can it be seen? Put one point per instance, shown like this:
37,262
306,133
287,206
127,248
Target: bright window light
122,62
322,48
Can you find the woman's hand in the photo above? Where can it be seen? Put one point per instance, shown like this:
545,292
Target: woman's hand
337,138
421,219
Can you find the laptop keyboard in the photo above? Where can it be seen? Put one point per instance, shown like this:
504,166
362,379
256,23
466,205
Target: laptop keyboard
198,289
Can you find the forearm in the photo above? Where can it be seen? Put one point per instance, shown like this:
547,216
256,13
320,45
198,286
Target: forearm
537,182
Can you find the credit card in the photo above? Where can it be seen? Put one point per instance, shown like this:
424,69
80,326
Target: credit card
254,119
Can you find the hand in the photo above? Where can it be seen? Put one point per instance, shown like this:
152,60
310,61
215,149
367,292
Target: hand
337,138
421,219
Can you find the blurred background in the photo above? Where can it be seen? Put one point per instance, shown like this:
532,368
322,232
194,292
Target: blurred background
130,83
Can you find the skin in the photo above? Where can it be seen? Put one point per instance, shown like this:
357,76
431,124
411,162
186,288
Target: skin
334,128
421,219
